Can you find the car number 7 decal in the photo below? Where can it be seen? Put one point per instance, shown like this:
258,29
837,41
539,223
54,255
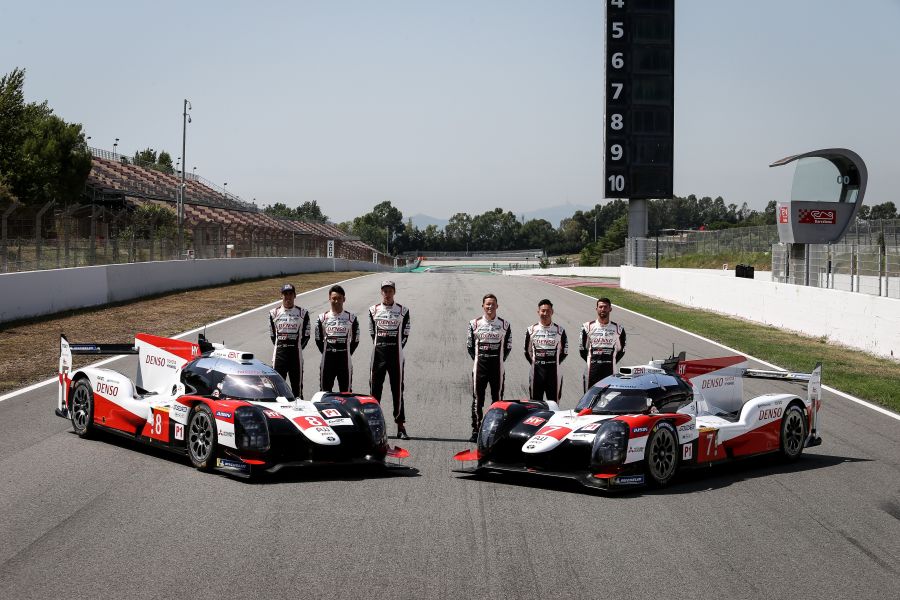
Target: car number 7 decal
554,431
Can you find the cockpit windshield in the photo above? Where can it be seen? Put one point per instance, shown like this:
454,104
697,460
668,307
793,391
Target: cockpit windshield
605,401
257,387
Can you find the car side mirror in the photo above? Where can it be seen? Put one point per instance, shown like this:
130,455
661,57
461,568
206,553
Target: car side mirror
584,411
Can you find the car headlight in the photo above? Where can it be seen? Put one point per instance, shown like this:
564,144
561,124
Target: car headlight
375,420
251,431
490,429
610,444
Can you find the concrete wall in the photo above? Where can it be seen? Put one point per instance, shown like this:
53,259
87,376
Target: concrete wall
860,321
571,271
36,293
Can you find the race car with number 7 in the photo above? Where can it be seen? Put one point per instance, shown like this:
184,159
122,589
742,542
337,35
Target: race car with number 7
221,407
641,425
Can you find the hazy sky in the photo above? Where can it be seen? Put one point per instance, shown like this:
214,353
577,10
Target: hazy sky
459,105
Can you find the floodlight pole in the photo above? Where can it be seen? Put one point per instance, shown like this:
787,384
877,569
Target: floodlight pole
186,118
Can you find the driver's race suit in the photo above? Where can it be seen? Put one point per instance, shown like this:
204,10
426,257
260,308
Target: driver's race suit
290,334
389,327
602,347
489,343
546,346
337,336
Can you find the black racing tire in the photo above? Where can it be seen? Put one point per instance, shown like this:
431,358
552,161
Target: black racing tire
81,408
793,433
662,454
202,446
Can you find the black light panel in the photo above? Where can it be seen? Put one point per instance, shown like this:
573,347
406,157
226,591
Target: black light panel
640,98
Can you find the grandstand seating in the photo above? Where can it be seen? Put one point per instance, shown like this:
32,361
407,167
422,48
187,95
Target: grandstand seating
220,225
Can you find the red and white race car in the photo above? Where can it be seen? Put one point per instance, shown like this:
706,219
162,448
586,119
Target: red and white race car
641,425
221,407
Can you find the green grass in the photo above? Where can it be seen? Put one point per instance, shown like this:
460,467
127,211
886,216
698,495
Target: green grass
857,373
761,261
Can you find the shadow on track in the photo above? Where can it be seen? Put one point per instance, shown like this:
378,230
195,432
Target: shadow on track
325,472
686,482
438,439
311,473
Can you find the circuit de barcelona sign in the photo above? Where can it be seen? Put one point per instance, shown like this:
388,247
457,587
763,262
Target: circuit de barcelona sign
827,191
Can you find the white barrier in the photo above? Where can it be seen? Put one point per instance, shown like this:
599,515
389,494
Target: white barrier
572,271
860,321
37,293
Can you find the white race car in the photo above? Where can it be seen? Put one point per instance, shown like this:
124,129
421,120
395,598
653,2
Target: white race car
641,425
221,407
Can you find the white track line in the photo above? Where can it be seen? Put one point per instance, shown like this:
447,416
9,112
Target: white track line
859,401
105,361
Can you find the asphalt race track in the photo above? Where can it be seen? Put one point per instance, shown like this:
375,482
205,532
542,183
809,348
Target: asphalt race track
106,518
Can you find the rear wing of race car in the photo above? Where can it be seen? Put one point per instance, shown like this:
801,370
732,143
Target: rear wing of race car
720,380
66,350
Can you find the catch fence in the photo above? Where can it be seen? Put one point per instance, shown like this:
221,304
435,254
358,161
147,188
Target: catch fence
866,260
50,237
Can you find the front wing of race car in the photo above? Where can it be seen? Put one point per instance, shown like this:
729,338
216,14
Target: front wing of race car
337,429
470,462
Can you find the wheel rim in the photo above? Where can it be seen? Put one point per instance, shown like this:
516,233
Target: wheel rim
81,406
200,436
793,433
662,455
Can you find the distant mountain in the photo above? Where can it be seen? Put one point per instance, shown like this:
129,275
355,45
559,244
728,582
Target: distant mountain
554,214
421,221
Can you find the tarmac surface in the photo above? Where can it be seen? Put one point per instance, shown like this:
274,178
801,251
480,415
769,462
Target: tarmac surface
109,518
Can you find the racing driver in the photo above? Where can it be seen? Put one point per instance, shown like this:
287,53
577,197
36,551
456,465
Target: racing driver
546,346
489,342
389,328
337,336
602,345
289,326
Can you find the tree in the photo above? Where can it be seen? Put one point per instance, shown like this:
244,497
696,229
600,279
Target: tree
537,233
613,239
495,230
387,216
280,210
145,157
6,195
374,227
311,212
41,156
886,210
164,162
432,238
458,231
149,159
151,220
572,236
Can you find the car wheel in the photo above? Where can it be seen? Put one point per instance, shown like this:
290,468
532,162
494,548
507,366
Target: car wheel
662,454
201,438
793,432
81,408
